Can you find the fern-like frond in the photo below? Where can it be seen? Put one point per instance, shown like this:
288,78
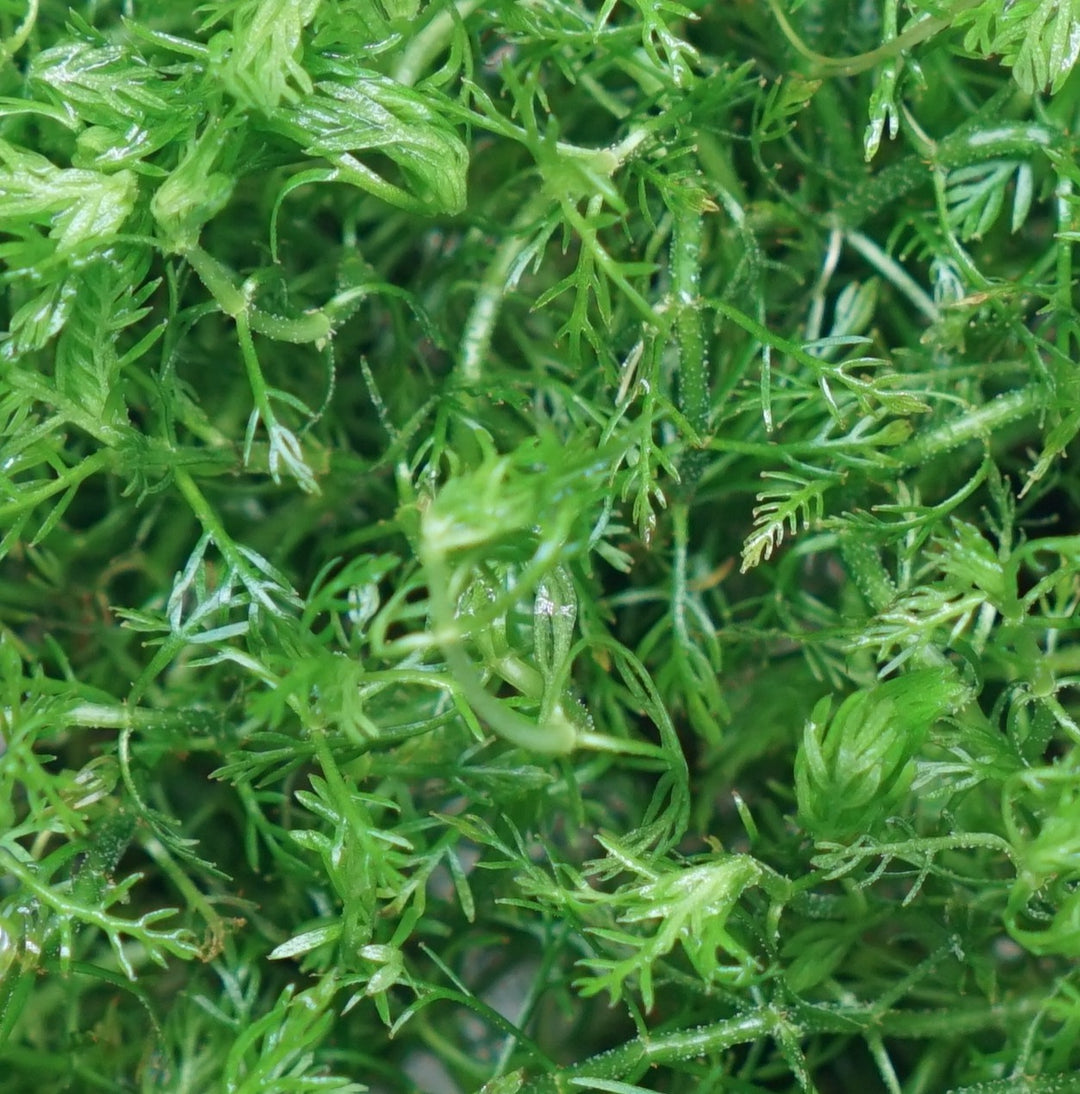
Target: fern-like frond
111,298
791,502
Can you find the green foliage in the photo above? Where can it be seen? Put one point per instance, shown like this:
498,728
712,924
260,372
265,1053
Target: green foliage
853,768
1039,39
537,546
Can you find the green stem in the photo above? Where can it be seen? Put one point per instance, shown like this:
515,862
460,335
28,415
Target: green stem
642,1053
204,512
968,146
686,240
863,562
557,738
680,521
426,44
29,499
917,31
10,46
480,324
977,424
313,326
1063,197
635,1057
172,942
191,893
260,393
123,716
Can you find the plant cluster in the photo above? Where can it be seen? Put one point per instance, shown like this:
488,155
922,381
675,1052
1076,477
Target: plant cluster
537,546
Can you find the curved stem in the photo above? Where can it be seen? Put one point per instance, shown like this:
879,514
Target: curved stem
558,738
426,44
10,46
918,31
484,313
635,1056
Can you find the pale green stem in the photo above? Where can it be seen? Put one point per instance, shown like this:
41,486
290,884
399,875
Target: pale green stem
427,43
917,31
10,46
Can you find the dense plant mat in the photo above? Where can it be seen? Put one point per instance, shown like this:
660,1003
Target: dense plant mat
539,548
